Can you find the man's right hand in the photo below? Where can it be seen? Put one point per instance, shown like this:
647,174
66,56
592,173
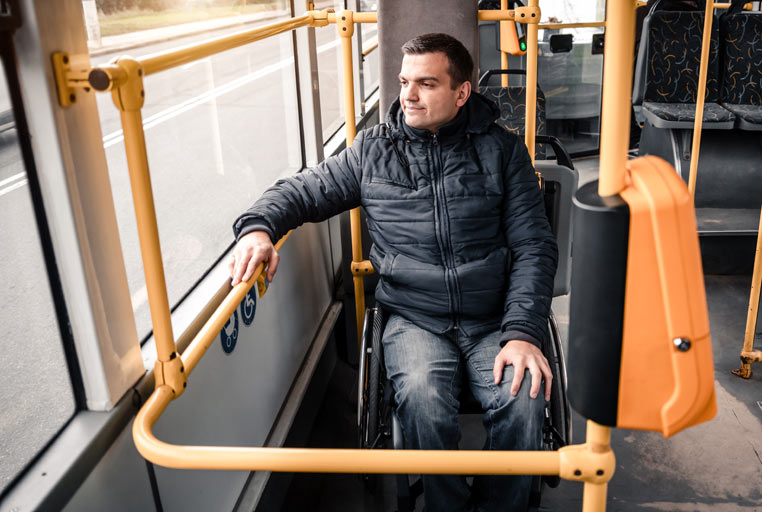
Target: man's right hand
251,250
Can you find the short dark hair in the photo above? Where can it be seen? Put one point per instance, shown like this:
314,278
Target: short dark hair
461,64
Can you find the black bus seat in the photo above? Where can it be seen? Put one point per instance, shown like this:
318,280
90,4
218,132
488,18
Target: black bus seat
667,71
559,182
741,88
683,115
726,197
511,101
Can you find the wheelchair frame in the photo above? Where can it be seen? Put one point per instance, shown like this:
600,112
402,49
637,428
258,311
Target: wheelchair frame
378,423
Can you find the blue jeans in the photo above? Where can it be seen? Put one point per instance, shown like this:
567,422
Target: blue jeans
427,371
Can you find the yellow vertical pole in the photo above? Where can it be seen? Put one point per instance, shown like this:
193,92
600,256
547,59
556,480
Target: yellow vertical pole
708,16
346,27
503,54
598,441
756,281
617,93
531,81
129,97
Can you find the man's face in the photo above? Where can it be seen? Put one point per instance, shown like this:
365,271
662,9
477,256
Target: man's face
426,94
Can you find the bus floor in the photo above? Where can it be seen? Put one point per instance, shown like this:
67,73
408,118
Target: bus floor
714,466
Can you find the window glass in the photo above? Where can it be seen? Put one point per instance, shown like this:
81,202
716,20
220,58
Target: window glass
370,61
218,131
330,72
573,11
571,81
36,399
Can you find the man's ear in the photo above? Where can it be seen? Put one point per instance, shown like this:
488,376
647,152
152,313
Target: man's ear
464,91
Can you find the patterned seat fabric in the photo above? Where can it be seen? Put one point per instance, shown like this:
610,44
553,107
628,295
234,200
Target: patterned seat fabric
752,114
686,112
512,104
674,55
741,89
742,59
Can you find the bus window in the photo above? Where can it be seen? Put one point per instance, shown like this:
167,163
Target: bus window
37,398
329,72
370,62
219,131
571,81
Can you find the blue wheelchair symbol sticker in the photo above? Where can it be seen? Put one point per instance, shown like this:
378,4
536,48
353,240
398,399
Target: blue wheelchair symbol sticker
229,334
249,307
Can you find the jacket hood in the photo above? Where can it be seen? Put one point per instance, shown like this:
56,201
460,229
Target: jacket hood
476,115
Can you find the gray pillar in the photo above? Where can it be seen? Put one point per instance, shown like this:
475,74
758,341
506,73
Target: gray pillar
401,20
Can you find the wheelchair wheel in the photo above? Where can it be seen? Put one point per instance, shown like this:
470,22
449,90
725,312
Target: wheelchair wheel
557,429
561,413
371,381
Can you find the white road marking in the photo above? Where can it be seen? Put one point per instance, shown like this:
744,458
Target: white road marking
12,178
139,298
13,187
118,136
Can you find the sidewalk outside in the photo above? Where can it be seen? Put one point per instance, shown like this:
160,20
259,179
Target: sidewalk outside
121,42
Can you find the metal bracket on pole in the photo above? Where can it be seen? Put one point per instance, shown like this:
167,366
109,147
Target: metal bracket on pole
125,83
582,463
528,15
345,24
319,18
361,268
71,73
171,373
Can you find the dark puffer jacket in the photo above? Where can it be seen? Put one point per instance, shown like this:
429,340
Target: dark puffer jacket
460,237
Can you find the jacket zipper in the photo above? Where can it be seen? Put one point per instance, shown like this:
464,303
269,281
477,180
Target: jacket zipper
446,242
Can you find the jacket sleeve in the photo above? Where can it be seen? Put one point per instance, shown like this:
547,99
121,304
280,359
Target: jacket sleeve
532,247
312,195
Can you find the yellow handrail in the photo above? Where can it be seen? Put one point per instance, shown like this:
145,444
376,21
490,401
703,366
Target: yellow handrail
748,354
617,92
208,333
332,460
699,120
588,24
722,5
172,58
532,19
372,45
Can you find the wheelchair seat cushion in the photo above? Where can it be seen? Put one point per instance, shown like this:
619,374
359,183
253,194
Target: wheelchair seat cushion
686,112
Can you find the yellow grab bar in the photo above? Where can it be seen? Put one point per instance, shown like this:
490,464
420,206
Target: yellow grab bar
165,60
588,24
617,93
699,120
372,45
530,119
329,460
208,333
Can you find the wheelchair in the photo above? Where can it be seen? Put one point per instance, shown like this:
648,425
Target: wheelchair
377,423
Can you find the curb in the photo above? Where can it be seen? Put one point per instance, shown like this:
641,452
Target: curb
95,52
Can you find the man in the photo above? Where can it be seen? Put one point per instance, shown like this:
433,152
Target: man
465,255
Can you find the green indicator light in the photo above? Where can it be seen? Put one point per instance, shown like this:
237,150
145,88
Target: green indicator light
523,46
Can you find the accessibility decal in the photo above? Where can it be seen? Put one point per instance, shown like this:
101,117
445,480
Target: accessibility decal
229,333
249,307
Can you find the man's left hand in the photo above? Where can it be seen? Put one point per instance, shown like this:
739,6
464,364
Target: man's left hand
524,355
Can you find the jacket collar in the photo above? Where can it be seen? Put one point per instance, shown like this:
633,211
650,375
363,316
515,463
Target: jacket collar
475,116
